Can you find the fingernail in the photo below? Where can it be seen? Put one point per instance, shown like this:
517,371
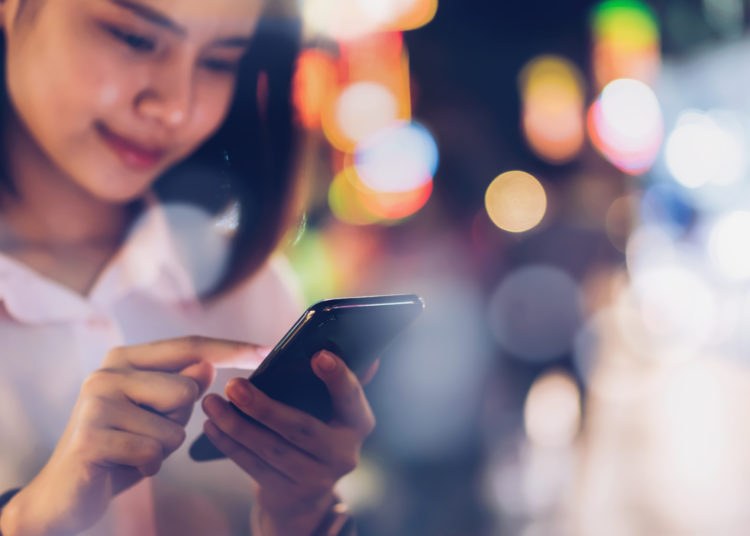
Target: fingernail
326,362
241,392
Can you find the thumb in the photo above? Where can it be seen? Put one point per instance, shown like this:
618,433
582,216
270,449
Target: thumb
202,372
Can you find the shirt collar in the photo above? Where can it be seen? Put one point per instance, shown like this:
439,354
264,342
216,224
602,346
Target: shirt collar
148,262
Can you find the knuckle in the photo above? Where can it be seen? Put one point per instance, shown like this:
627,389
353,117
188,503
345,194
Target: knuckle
97,381
83,438
115,355
263,412
301,432
277,450
258,466
92,409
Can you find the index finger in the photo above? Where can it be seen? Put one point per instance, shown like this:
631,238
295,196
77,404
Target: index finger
174,355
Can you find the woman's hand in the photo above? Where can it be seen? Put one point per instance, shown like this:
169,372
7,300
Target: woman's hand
297,459
130,415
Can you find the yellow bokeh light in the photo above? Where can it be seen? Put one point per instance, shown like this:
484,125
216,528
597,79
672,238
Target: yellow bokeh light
345,200
626,42
516,202
552,90
545,71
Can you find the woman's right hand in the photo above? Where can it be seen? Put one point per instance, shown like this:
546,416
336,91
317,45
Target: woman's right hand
130,415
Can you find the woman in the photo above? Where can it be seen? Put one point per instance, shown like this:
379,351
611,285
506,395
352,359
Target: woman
109,101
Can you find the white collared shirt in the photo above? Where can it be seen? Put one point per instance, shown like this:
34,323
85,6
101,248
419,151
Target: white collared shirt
51,339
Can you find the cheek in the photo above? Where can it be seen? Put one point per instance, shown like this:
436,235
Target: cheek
107,95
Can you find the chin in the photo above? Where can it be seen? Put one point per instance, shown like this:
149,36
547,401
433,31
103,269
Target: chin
118,189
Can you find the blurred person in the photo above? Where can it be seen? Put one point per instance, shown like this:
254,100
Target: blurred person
109,335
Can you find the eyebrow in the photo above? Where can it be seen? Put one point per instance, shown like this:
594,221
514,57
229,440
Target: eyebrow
158,18
151,15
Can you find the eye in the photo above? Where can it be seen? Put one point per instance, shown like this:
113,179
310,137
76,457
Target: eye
137,42
221,66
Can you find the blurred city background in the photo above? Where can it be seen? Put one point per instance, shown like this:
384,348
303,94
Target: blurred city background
566,186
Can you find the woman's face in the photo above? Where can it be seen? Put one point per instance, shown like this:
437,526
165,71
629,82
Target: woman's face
116,91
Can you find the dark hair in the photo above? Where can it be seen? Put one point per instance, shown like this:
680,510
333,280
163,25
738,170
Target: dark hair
249,160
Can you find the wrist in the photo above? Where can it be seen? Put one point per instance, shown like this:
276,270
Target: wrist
303,519
18,517
9,513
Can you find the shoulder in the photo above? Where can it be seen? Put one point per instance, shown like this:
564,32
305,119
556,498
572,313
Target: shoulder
261,308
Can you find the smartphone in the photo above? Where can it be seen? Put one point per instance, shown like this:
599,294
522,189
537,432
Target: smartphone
355,329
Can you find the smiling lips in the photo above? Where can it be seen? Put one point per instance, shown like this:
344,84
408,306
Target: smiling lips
133,154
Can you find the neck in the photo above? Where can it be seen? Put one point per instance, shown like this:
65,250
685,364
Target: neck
49,208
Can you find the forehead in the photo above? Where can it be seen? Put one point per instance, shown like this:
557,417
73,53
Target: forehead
197,10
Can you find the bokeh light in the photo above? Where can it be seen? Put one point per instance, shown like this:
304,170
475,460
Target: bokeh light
630,23
552,413
337,19
553,108
395,206
728,245
626,42
347,19
701,149
362,487
353,202
535,312
669,309
373,92
626,125
516,202
314,82
345,200
364,108
402,158
399,14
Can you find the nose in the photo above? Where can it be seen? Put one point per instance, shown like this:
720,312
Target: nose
166,96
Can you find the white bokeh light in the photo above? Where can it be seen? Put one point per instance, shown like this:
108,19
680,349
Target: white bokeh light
385,11
728,245
648,245
401,158
364,108
675,305
552,413
339,19
704,148
631,115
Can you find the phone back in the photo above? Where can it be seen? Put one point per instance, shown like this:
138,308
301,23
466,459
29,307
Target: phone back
355,329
